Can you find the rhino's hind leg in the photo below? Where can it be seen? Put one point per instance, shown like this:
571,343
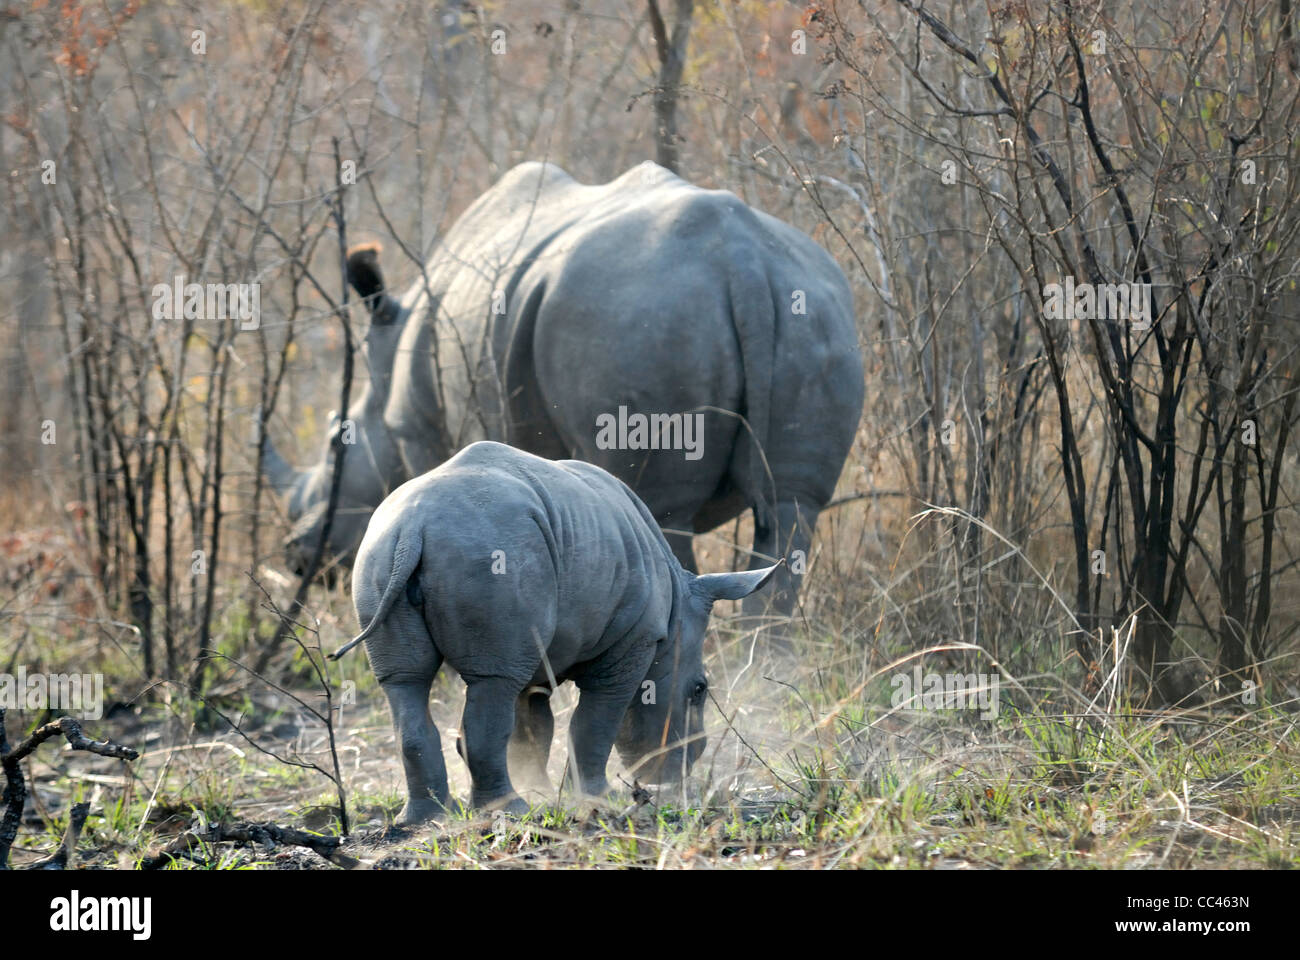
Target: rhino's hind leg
426,771
530,744
486,727
405,661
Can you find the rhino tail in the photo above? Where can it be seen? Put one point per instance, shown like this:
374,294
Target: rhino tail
406,558
754,316
367,280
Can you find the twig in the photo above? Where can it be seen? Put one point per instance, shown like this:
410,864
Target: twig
757,756
338,448
65,857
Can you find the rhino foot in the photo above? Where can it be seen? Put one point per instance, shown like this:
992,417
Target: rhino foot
513,804
420,811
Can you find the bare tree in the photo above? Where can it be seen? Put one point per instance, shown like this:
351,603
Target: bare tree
672,61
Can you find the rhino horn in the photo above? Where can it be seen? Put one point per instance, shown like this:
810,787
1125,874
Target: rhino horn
279,472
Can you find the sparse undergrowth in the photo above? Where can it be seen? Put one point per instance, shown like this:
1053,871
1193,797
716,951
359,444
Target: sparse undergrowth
794,776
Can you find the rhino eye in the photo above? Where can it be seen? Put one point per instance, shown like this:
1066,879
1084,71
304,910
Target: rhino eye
697,695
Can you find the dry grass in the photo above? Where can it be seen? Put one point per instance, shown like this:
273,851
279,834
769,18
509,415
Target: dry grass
808,766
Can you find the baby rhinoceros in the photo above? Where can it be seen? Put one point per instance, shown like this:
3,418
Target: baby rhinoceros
523,573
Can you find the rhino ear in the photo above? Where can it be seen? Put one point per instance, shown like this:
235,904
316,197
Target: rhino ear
733,586
283,477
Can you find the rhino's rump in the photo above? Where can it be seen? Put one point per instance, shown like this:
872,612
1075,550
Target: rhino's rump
611,335
521,552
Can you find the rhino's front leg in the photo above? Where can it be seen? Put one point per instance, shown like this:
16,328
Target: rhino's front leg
485,728
417,737
592,732
788,534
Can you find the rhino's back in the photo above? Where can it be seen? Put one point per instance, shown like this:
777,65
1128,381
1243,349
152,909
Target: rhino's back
652,287
519,550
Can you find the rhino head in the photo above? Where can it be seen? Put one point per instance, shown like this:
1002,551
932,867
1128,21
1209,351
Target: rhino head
372,465
662,734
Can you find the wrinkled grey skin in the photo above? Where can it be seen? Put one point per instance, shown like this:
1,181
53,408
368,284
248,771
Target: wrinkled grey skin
645,292
514,569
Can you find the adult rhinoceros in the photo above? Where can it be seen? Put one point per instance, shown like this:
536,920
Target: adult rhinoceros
701,351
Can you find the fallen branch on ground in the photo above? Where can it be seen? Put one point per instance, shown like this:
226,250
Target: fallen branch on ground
186,845
15,795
